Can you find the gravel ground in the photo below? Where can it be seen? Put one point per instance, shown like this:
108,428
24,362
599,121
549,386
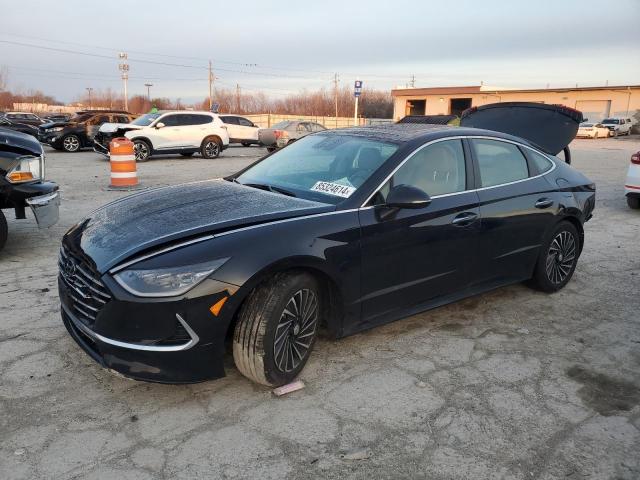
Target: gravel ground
513,384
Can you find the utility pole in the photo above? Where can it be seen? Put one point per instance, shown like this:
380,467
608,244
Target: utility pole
413,81
148,85
124,68
210,86
90,89
237,98
335,91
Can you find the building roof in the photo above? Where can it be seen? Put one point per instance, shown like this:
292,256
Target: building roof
402,92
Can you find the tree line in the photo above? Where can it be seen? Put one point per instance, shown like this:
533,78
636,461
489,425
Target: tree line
372,103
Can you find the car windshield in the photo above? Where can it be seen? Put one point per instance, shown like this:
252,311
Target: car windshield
281,125
145,120
610,121
323,167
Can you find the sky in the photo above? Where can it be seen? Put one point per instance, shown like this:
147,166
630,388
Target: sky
287,46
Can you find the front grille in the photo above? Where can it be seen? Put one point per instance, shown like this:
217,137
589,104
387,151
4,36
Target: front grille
87,293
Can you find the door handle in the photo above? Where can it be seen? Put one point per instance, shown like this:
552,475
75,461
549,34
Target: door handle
464,219
544,203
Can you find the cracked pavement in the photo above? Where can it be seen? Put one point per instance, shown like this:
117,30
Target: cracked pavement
512,384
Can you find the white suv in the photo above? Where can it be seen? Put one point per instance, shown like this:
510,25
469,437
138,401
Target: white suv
632,184
183,132
617,126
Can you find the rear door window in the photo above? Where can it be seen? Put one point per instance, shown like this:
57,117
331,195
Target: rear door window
499,162
200,119
244,122
230,120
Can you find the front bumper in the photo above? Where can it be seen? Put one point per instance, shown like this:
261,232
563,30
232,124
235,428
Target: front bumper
46,209
53,139
139,338
100,148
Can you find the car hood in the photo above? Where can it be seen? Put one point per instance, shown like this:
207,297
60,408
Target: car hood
165,215
114,127
550,127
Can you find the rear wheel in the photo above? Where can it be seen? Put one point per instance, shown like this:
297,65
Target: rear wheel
276,329
4,230
210,147
71,143
633,202
142,150
558,259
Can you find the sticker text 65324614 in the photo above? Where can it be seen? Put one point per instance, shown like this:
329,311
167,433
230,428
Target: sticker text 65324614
333,189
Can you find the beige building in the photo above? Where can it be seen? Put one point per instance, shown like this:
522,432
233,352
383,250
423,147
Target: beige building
595,103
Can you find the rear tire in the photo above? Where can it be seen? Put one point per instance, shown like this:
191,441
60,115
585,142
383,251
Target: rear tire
277,328
142,150
4,230
211,147
633,202
557,260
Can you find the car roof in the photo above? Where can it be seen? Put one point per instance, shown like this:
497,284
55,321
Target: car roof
186,111
401,133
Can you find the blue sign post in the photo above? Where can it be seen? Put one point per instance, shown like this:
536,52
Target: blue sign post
357,90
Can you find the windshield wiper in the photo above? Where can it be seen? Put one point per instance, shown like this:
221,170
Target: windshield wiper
270,188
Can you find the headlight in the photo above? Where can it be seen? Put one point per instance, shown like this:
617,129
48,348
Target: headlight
55,129
166,282
30,168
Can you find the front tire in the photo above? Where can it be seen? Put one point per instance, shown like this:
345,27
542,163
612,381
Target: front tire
4,230
142,150
633,202
558,259
71,143
211,148
277,328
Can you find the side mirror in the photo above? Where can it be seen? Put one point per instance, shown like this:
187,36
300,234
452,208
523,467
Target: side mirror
406,196
159,125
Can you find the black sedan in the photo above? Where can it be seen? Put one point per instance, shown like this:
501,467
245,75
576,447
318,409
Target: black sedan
343,229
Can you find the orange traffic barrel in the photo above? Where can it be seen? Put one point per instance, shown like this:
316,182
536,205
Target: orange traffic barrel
123,164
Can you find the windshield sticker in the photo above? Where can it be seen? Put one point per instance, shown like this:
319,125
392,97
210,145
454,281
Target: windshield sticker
333,189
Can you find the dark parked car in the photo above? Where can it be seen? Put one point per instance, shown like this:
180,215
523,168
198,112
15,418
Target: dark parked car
22,181
18,127
346,229
78,132
25,118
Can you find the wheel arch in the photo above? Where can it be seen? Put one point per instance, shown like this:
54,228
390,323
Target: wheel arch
146,139
213,135
575,221
332,298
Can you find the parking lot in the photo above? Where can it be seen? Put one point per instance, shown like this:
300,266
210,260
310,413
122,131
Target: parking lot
513,384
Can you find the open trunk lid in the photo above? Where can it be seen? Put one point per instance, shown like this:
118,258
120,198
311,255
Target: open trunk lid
550,127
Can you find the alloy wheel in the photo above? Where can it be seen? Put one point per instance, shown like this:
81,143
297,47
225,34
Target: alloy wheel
296,330
211,148
141,151
560,257
71,143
